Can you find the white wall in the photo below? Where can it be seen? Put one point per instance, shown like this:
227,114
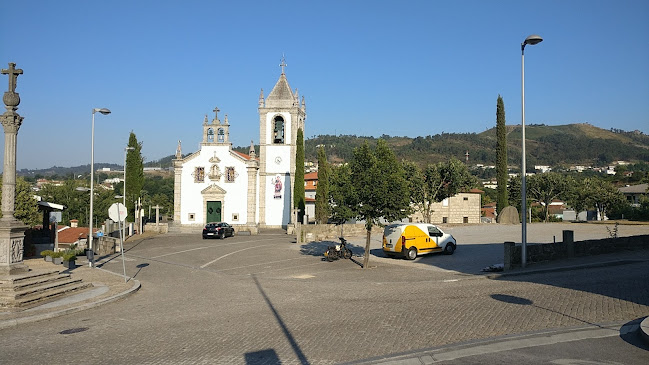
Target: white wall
236,197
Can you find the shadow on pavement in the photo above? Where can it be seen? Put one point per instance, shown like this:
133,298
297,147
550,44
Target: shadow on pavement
294,345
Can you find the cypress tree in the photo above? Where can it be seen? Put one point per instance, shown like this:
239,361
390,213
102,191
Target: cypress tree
501,156
298,188
322,190
134,173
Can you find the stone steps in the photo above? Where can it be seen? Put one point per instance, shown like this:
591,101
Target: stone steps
37,287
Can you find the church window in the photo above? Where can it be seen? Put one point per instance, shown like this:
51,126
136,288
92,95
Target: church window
199,174
235,216
210,135
220,137
192,216
278,130
230,174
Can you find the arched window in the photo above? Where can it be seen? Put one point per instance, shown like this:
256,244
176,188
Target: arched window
278,130
220,137
210,135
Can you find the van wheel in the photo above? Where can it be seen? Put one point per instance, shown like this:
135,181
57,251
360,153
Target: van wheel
411,254
449,249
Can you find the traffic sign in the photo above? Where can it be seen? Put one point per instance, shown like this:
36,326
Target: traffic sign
117,212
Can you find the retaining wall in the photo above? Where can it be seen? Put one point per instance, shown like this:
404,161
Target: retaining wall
540,252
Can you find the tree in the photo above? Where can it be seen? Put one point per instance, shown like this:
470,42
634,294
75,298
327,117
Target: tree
25,206
322,190
380,188
436,183
544,188
134,173
501,155
342,194
298,188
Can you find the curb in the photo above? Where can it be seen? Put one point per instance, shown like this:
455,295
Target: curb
39,317
644,330
564,268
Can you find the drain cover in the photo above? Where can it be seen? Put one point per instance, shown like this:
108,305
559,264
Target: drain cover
73,330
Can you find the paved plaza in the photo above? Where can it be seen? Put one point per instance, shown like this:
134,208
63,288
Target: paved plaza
268,300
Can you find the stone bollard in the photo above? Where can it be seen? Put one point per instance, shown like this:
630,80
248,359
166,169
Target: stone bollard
569,240
509,252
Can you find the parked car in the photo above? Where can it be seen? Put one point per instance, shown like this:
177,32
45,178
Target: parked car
218,230
412,239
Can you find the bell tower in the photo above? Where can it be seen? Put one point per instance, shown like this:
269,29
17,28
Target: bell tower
215,132
280,116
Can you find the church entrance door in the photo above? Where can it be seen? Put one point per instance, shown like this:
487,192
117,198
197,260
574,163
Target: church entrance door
213,212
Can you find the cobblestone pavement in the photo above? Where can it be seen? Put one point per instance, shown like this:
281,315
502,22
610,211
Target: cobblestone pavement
267,300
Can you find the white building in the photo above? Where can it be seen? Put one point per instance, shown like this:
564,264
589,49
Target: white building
249,191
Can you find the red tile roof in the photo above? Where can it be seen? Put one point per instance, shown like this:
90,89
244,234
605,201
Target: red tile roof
72,235
311,176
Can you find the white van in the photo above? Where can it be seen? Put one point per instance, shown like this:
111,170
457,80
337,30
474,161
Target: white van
412,239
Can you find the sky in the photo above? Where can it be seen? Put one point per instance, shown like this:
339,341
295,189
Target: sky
367,68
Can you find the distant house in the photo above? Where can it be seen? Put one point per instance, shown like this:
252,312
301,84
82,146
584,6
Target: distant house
632,193
310,186
488,212
462,208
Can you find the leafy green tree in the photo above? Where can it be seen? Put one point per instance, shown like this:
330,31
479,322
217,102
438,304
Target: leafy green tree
380,187
436,183
25,206
322,190
544,188
134,174
298,188
501,155
342,194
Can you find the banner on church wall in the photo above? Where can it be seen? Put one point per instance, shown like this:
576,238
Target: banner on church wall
278,187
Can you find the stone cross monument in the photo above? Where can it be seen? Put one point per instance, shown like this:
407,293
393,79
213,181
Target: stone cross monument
12,231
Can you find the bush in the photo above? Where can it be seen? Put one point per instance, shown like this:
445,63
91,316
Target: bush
47,253
69,256
57,254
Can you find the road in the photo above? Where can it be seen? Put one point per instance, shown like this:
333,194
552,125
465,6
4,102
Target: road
267,300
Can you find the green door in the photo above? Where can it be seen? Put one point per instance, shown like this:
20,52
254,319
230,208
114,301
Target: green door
213,212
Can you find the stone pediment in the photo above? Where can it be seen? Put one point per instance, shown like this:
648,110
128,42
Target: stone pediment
213,190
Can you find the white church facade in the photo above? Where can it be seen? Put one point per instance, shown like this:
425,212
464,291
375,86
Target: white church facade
248,191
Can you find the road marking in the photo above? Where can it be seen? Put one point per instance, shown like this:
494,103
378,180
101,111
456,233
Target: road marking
183,251
304,276
228,254
202,248
262,263
450,280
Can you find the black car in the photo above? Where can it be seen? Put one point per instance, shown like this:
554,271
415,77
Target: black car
219,230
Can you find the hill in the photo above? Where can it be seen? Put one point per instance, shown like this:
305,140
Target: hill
569,144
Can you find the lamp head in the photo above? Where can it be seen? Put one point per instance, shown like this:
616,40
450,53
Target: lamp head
103,111
533,39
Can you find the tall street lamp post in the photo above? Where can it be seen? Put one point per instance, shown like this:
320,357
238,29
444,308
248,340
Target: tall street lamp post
92,178
531,40
126,149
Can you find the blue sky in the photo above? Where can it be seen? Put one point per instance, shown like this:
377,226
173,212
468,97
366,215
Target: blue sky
405,68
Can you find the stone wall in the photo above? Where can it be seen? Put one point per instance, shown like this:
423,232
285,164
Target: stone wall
322,232
541,252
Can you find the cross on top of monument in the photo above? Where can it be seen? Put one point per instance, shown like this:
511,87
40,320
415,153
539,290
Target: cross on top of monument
283,64
216,112
13,73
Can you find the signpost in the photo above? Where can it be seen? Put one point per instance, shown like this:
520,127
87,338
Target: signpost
117,212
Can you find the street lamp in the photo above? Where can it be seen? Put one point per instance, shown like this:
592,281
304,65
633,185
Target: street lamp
126,149
92,176
531,40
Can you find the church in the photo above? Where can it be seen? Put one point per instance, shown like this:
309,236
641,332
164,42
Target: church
248,191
